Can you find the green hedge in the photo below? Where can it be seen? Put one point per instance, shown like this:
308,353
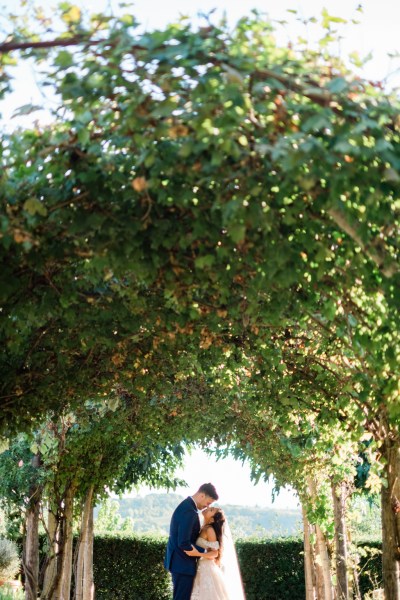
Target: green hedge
272,569
131,568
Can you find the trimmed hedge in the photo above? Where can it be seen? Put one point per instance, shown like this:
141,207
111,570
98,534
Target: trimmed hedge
131,568
272,569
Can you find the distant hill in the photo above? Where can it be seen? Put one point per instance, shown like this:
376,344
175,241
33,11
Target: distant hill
152,514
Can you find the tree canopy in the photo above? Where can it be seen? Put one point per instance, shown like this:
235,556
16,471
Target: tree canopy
209,229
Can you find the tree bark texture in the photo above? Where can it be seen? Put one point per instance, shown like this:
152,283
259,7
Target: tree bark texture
84,583
323,575
323,566
50,572
309,564
391,521
339,508
30,557
63,590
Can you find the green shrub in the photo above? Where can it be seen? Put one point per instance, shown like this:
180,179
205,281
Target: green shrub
130,568
272,569
9,559
7,593
370,566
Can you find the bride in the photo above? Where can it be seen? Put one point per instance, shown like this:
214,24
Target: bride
217,579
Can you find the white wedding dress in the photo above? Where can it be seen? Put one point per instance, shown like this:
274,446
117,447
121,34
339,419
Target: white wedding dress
209,583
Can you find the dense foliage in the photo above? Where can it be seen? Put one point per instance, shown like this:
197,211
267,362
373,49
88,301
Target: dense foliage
9,559
205,239
370,566
131,567
207,195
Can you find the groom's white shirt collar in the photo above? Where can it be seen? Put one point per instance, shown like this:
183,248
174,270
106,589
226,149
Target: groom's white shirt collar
199,512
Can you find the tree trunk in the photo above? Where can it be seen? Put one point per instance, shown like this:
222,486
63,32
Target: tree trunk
323,567
390,521
50,573
84,584
30,557
88,580
63,590
323,579
339,509
309,565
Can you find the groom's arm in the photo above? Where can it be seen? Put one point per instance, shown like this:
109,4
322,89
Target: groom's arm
185,528
211,554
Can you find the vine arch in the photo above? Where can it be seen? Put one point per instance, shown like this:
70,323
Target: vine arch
207,207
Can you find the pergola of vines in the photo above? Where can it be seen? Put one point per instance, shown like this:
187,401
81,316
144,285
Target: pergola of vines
208,230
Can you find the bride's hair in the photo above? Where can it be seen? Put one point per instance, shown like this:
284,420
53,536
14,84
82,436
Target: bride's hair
217,524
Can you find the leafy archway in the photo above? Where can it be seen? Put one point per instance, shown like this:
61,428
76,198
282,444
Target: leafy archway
208,211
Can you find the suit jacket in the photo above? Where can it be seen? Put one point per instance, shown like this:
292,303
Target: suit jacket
183,533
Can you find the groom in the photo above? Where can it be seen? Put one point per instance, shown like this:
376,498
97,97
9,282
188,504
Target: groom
182,553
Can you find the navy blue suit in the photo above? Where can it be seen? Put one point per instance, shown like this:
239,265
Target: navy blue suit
183,533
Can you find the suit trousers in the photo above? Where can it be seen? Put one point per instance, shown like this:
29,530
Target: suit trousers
183,585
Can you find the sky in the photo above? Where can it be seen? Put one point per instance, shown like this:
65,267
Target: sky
377,32
232,481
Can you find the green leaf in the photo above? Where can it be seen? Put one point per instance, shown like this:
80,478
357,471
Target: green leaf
64,59
327,19
26,109
205,261
72,15
337,85
34,206
352,321
237,233
316,123
84,136
128,19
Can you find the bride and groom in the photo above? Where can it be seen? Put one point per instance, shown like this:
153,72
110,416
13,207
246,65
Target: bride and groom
200,552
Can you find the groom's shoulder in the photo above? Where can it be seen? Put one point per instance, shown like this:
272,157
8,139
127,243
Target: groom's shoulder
185,504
